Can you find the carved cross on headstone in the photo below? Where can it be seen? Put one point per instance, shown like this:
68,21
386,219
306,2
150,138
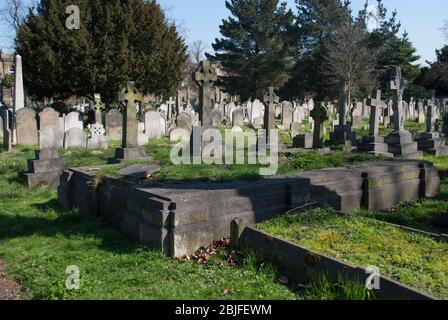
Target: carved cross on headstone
205,77
129,97
319,115
375,112
98,108
269,116
398,84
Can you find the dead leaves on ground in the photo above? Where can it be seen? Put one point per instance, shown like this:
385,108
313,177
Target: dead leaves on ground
204,255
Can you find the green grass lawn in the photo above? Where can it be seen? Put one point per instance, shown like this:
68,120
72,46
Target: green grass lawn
39,240
413,259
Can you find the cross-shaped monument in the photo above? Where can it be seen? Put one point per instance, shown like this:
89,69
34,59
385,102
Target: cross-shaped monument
205,77
129,96
342,105
171,104
375,112
269,116
398,84
98,108
319,115
430,121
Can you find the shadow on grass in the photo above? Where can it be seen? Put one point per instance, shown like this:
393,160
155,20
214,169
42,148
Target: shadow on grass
70,224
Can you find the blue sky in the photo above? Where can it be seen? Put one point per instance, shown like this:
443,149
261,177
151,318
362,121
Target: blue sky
422,19
200,20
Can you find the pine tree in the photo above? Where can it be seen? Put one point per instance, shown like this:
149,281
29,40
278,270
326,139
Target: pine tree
256,47
399,52
118,41
436,76
315,22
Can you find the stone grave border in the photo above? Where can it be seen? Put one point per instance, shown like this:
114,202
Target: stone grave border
302,264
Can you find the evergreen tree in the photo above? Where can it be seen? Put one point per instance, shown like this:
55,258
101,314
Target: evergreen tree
399,52
436,77
315,22
256,48
118,41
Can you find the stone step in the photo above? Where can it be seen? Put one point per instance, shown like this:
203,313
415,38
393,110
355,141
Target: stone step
42,166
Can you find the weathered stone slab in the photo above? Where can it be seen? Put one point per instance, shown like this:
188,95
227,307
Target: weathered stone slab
114,125
179,218
26,125
75,138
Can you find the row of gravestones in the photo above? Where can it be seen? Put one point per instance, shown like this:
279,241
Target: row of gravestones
49,129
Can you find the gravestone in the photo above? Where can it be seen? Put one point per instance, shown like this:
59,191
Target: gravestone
98,109
342,132
304,141
7,134
47,168
298,115
216,118
114,125
142,136
238,118
287,115
130,150
51,138
48,165
75,138
295,129
97,139
153,127
184,121
205,77
19,95
270,100
431,141
373,143
421,112
401,142
163,125
319,115
26,126
256,112
73,120
180,134
49,118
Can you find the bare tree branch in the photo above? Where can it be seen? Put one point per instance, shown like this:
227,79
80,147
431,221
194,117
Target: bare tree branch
444,30
197,50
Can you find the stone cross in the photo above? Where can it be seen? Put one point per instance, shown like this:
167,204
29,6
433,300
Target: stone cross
129,97
98,107
171,104
342,106
430,119
205,77
269,116
375,112
398,84
319,115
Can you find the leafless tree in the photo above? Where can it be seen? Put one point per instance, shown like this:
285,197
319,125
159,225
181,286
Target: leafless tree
348,60
13,13
197,50
445,30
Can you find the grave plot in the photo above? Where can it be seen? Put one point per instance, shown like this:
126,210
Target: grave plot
417,260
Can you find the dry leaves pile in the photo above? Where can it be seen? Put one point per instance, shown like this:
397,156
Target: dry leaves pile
203,255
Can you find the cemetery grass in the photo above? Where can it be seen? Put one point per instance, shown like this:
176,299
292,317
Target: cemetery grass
39,240
159,151
413,259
